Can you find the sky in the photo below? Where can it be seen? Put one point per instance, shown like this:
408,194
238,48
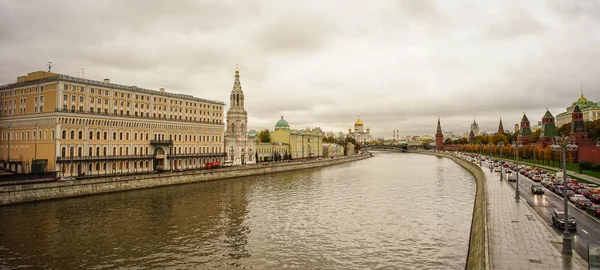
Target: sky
397,64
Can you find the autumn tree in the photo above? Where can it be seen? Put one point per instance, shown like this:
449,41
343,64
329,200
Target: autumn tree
264,136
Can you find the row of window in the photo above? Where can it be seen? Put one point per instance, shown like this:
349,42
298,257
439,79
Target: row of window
124,151
142,136
22,91
138,97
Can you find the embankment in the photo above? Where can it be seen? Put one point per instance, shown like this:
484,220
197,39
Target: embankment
54,190
477,257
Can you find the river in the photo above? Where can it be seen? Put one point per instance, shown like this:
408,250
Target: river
393,211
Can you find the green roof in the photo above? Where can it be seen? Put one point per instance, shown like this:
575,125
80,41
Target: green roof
282,123
548,114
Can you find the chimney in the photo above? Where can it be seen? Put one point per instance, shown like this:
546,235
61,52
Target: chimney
107,80
162,89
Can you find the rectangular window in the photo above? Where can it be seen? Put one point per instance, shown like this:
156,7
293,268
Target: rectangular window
65,107
82,89
42,108
80,98
73,97
41,89
66,87
41,98
91,100
66,97
35,99
92,90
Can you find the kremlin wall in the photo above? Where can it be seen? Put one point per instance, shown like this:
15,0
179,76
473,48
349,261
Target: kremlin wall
587,151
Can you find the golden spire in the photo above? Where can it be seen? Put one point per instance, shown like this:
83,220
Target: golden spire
236,68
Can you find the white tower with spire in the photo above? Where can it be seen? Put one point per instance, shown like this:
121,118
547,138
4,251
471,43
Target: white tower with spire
239,147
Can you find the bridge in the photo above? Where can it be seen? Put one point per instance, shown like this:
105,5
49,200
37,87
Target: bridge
394,148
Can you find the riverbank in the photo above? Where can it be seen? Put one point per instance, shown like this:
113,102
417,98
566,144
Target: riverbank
54,190
478,255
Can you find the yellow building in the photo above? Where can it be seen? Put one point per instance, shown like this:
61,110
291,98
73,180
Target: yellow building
332,150
306,143
57,123
271,151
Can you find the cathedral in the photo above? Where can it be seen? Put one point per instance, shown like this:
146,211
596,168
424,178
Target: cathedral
359,133
238,144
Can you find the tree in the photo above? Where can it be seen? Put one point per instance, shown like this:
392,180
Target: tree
426,143
536,134
264,136
448,141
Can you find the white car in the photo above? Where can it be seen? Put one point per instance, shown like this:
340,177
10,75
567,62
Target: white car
498,169
576,197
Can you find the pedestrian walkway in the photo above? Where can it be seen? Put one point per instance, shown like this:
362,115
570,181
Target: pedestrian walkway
518,238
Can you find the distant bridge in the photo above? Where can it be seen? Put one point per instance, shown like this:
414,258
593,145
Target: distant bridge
394,148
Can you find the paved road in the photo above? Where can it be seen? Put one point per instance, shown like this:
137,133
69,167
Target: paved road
587,226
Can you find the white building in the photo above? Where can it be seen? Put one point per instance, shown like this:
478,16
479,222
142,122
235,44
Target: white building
238,144
359,133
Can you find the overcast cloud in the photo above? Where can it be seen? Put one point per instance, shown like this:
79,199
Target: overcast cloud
399,64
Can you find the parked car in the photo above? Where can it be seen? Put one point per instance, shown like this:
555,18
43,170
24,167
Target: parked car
67,178
558,220
594,210
537,189
227,164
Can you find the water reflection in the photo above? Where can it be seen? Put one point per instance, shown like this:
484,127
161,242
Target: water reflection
395,210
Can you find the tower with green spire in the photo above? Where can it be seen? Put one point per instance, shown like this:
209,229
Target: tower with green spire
525,135
500,127
577,125
548,131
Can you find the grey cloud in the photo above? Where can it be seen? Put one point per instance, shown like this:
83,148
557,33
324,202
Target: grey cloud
516,23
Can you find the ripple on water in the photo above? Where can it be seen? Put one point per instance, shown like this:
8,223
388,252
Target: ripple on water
391,211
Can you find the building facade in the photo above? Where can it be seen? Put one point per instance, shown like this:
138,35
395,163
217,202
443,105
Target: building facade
474,129
525,134
72,126
360,134
239,145
590,111
305,143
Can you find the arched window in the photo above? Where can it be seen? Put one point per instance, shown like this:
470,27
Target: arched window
90,152
114,151
114,135
134,151
98,135
97,166
105,135
135,136
72,135
120,151
127,136
104,151
64,134
91,135
121,136
90,167
79,151
98,151
80,135
63,152
127,151
71,150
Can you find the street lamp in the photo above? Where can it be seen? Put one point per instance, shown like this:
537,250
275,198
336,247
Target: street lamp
517,145
564,144
533,145
490,161
501,144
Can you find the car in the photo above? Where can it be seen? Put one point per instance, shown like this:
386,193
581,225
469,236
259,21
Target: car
537,189
507,170
558,220
498,169
512,178
574,197
570,194
595,198
227,164
583,203
60,178
536,178
583,191
594,210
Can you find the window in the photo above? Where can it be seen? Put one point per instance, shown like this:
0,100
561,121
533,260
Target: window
80,98
73,97
98,135
91,100
105,135
72,135
91,135
92,90
80,135
41,98
66,87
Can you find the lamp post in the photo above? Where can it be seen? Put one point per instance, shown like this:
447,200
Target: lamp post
491,167
501,144
564,144
533,145
516,145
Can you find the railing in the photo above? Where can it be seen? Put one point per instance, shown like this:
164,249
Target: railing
139,116
167,142
192,155
89,158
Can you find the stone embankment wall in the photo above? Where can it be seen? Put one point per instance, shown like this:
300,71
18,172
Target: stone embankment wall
54,190
478,256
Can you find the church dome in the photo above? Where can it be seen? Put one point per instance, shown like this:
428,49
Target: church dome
282,123
358,122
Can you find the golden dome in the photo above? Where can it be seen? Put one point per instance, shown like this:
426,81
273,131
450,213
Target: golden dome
582,99
358,122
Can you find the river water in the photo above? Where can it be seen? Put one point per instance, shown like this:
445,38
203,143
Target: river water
393,211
